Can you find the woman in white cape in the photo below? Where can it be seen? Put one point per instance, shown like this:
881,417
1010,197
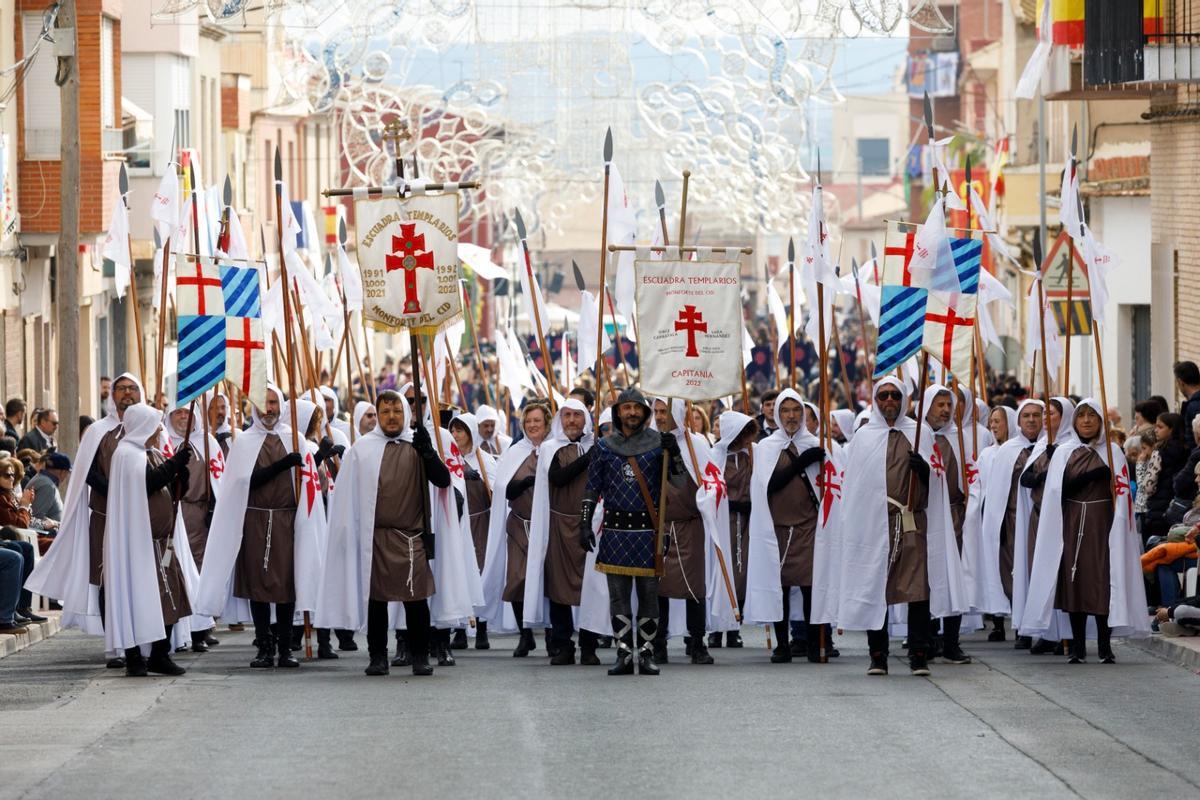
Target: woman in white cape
996,466
1078,504
471,471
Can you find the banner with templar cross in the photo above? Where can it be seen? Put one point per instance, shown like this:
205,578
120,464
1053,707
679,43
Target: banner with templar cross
200,309
408,255
689,316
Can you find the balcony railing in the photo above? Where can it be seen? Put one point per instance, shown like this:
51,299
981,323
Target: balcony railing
1135,42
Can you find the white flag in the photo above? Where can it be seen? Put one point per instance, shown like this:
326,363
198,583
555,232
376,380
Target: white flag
164,208
533,294
585,342
1100,260
747,347
479,259
291,225
778,313
1035,68
816,251
1068,204
116,246
351,281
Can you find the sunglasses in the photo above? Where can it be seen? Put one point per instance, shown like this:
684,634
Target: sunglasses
888,396
9,475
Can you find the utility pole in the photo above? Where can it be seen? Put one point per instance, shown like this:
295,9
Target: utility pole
66,301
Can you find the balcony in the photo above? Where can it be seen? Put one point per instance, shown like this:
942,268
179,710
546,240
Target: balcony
1141,43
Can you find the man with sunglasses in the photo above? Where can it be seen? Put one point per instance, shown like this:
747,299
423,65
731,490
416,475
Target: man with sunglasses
41,435
898,507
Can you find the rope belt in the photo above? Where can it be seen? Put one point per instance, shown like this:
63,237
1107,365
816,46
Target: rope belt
270,527
682,571
1079,532
412,561
164,559
898,529
525,524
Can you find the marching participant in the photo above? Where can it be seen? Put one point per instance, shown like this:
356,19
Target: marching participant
218,421
72,569
333,408
1001,467
898,507
783,525
146,551
558,568
198,497
732,454
365,418
626,473
386,539
1086,560
473,480
1060,420
504,565
492,440
263,537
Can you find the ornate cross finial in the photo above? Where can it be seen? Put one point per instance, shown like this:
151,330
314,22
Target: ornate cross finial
396,132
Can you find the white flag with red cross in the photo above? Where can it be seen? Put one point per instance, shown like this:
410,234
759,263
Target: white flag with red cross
689,316
408,256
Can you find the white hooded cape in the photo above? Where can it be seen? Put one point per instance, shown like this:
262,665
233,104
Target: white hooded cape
1127,592
64,571
996,468
593,612
499,614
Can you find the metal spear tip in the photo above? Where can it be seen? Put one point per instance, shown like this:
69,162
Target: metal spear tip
343,237
1074,140
328,263
579,282
123,180
660,197
157,239
854,267
967,175
1037,250
520,225
791,251
929,116
608,146
818,167
278,165
227,192
874,252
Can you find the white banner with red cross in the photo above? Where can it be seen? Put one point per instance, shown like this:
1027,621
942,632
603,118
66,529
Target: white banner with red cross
408,255
689,317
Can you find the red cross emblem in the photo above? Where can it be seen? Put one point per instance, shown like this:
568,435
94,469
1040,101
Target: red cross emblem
691,320
713,481
951,320
455,463
1122,484
831,488
200,281
310,476
408,254
247,344
972,472
905,252
216,465
936,462
168,451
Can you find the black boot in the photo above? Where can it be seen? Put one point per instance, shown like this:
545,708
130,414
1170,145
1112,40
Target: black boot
283,647
459,642
1042,647
714,640
1022,642
733,639
1104,640
604,643
997,635
525,644
481,636
879,665
116,662
782,654
403,655
551,648
918,664
346,641
378,665
587,655
657,643
700,654
648,632
324,648
1078,654
297,638
265,658
564,654
419,643
441,639
135,663
199,645
160,658
623,636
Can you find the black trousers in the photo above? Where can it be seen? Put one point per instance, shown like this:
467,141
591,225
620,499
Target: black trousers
1079,633
158,649
562,625
950,629
919,626
416,613
25,549
695,617
812,633
260,612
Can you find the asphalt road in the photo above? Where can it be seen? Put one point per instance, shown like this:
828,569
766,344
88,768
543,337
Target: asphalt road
1010,725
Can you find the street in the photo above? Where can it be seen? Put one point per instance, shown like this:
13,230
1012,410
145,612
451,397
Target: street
1009,725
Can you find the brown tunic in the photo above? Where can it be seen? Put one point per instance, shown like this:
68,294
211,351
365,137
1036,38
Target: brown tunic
1008,527
1087,519
794,514
399,567
98,504
517,528
958,500
479,507
266,569
737,484
908,571
683,562
196,502
171,591
565,556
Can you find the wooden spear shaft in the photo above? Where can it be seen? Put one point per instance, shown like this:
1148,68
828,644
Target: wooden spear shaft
483,373
600,299
1045,362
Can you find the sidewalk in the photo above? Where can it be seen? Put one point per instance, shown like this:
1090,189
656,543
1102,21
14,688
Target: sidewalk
10,643
1183,650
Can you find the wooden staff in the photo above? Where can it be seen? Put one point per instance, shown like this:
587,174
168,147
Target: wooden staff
912,479
1104,413
608,154
133,292
1069,317
426,363
792,313
1037,249
369,387
207,454
617,340
862,321
162,317
837,348
687,437
484,378
975,427
962,461
823,358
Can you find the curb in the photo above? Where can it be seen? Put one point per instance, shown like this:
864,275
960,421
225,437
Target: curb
12,643
1172,649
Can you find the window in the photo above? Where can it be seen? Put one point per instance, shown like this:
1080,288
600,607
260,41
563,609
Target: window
43,116
183,128
874,157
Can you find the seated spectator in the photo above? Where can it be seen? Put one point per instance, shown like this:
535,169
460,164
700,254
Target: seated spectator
32,461
41,435
11,542
1177,554
1184,486
1169,456
12,577
14,510
8,445
14,417
46,507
